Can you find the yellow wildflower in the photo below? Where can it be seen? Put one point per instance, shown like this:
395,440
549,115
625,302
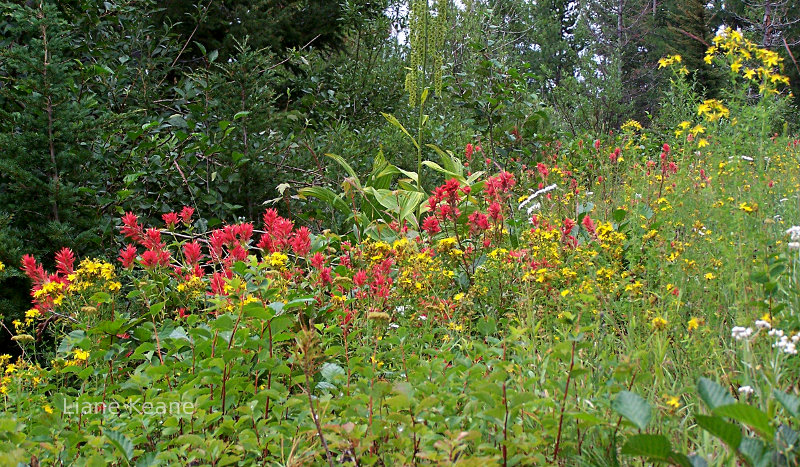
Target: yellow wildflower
659,323
674,402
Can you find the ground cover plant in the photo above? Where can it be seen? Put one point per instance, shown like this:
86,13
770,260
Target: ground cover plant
625,297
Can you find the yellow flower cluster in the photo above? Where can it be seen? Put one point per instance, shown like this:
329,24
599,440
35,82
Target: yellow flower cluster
631,125
376,251
671,60
194,287
20,373
89,272
54,290
278,260
712,110
746,58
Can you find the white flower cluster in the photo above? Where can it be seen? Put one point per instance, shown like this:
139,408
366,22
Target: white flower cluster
529,200
741,332
794,234
785,343
746,390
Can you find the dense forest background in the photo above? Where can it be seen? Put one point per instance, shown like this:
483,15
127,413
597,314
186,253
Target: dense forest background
226,106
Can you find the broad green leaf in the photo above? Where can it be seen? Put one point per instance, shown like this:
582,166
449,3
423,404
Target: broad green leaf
713,394
412,175
790,402
750,416
122,443
633,408
753,450
330,371
656,448
449,162
409,203
100,297
157,307
729,433
325,195
340,160
438,168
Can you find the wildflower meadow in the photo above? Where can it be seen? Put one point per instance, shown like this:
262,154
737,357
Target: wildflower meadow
629,296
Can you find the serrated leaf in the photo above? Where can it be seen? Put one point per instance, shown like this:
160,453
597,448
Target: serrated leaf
753,450
728,433
790,402
122,443
633,407
748,415
713,394
656,448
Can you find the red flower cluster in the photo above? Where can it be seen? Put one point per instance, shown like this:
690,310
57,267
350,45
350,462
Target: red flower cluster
230,243
156,253
65,265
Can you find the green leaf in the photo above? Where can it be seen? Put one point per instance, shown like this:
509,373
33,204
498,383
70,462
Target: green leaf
326,195
438,168
750,416
728,433
409,202
156,308
790,402
330,371
352,173
394,121
122,443
655,448
753,450
100,297
713,394
633,408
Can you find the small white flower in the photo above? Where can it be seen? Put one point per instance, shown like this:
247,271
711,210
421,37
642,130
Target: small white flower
782,343
747,158
776,332
794,245
790,349
746,390
762,324
796,338
740,332
423,317
794,232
